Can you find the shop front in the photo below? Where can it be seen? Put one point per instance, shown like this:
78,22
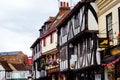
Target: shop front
90,73
53,72
112,63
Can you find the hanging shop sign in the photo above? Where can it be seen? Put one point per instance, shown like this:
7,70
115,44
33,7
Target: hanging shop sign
74,57
103,42
115,50
110,68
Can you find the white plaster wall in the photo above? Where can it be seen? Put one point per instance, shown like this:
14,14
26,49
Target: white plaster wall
102,22
18,74
50,46
2,72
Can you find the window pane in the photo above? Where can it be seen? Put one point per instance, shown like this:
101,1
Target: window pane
109,25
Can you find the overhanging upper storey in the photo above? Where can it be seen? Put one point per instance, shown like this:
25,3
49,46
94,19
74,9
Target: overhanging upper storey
82,18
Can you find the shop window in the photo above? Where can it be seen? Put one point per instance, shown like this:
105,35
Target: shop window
118,70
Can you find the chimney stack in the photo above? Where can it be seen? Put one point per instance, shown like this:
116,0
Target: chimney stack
64,6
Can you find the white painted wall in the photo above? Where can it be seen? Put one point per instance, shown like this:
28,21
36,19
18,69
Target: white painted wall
20,74
50,46
102,22
2,72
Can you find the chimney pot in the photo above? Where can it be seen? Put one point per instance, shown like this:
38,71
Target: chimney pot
67,4
64,4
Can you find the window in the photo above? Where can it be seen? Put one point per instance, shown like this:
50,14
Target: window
76,20
38,47
75,50
109,25
64,30
22,74
35,50
8,74
119,17
63,53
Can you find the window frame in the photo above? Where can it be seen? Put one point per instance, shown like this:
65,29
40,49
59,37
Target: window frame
64,30
119,17
109,27
77,19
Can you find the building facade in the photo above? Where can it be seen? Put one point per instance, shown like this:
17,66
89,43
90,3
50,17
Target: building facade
83,44
36,53
77,43
11,69
46,60
5,70
109,31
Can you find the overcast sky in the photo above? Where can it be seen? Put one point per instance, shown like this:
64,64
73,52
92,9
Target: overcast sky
20,21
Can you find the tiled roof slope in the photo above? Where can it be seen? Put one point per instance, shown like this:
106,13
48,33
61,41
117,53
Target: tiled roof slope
35,43
5,65
19,67
63,10
9,53
72,11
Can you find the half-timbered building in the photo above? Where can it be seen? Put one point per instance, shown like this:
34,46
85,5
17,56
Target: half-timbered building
36,54
49,44
77,43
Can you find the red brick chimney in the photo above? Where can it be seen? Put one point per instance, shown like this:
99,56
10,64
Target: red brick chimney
64,6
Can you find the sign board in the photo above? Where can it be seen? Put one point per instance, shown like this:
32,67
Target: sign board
74,57
103,42
115,50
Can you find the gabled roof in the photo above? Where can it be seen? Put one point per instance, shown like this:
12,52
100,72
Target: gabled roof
9,53
68,15
19,67
72,11
35,43
5,65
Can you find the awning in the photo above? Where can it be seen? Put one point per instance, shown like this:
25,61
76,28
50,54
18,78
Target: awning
111,60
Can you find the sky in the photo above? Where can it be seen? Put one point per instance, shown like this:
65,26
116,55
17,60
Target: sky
20,21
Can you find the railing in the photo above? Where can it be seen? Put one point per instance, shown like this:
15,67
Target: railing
53,70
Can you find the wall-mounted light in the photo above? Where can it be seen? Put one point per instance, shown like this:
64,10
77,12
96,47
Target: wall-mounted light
70,45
